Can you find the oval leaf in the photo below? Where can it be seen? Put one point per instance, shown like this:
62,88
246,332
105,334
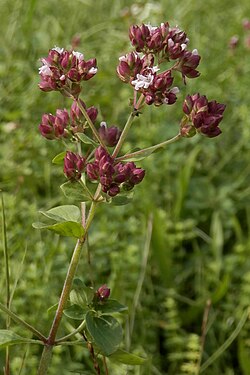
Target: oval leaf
75,312
127,358
75,190
66,228
110,306
81,294
85,139
63,213
59,159
106,332
123,198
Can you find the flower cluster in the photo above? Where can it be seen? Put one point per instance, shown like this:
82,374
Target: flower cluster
64,71
201,116
162,44
74,165
63,124
113,176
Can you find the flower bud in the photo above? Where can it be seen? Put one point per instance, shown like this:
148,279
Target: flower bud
103,293
110,136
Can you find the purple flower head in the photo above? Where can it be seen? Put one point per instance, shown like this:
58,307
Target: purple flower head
113,176
159,91
73,166
78,119
110,136
139,35
54,127
188,63
203,115
64,71
147,38
129,66
175,44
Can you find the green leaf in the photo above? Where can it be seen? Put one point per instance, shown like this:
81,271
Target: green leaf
59,159
81,294
75,190
66,228
110,306
63,213
85,139
106,332
53,308
75,312
123,198
10,338
127,358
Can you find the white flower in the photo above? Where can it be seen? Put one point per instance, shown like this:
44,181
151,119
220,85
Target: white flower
155,69
58,49
142,81
45,70
78,55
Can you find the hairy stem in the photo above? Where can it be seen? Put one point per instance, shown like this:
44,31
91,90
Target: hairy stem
47,352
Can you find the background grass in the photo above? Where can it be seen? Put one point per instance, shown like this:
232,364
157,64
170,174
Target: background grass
196,193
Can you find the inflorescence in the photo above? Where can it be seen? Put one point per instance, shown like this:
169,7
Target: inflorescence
154,48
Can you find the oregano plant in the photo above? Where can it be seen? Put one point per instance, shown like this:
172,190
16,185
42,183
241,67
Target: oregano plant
98,172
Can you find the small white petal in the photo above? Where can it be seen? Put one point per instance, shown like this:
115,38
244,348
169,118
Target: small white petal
195,52
170,43
155,69
183,46
151,28
93,70
175,90
78,55
58,49
45,70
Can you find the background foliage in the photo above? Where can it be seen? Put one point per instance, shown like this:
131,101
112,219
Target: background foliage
195,195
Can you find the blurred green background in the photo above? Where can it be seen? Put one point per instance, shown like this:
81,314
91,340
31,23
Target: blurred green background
196,194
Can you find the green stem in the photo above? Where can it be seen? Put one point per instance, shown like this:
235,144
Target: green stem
7,277
22,322
228,342
47,352
65,338
149,149
45,359
124,134
90,123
